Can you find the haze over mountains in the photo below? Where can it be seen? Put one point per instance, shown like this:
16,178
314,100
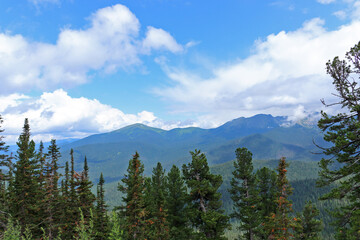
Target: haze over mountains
266,136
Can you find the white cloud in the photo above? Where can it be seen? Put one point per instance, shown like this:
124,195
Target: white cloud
325,1
112,42
340,14
286,70
158,39
57,115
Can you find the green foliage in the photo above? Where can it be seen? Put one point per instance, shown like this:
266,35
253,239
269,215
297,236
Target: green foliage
85,228
205,211
86,197
101,223
176,201
309,226
267,189
157,214
25,188
116,232
244,193
133,209
12,232
51,196
342,166
280,224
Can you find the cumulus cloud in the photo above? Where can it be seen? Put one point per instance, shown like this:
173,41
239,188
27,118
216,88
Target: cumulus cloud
159,39
57,115
112,42
286,70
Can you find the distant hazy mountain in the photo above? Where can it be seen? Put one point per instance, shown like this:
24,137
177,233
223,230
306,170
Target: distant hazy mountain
266,136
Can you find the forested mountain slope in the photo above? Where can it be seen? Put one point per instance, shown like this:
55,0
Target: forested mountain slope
266,136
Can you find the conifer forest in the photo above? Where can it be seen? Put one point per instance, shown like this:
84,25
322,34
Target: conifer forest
44,198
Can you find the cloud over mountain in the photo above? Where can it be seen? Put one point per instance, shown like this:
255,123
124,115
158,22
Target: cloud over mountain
285,73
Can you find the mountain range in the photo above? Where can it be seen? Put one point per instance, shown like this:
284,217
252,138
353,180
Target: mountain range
267,137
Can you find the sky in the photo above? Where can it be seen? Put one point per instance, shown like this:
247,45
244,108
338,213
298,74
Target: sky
76,68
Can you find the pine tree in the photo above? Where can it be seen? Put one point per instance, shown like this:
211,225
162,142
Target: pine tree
86,197
73,202
101,221
281,224
267,188
52,193
25,187
176,202
133,209
244,194
309,227
205,206
65,202
158,223
343,130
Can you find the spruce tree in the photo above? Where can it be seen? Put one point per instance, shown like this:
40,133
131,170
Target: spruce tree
86,197
309,226
205,210
25,187
281,224
158,224
342,166
52,199
101,221
133,209
267,189
73,205
245,194
176,202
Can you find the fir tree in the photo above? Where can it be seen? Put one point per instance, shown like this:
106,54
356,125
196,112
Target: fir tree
73,205
267,189
281,224
343,130
205,206
52,192
309,227
25,204
245,194
133,209
158,223
176,201
101,221
86,197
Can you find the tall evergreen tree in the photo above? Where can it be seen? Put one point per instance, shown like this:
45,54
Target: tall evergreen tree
267,189
133,209
343,130
205,210
158,226
25,204
52,192
73,205
101,222
244,194
86,197
176,202
309,227
281,224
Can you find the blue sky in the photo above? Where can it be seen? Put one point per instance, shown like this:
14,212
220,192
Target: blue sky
76,68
